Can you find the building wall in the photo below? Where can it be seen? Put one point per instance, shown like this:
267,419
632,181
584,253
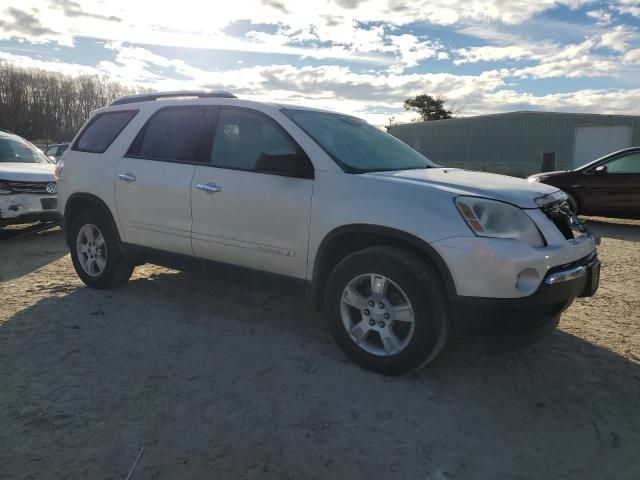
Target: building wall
512,143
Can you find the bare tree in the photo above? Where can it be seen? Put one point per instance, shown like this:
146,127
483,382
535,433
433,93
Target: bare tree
50,107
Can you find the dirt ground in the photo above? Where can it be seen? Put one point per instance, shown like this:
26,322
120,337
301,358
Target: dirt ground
233,377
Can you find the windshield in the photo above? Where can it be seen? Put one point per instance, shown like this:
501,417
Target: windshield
16,150
355,145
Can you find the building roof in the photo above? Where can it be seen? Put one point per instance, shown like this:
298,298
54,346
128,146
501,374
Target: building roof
519,113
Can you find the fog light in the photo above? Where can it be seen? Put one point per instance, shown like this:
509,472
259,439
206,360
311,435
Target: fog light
528,280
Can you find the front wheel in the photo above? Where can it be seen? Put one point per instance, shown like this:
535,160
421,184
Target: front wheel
95,251
387,310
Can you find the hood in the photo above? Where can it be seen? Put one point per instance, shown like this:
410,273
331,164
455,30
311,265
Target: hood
478,184
27,172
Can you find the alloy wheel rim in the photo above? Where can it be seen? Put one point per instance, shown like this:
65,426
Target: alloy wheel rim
92,250
377,314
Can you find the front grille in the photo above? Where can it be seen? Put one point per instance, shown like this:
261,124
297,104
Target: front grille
28,187
565,220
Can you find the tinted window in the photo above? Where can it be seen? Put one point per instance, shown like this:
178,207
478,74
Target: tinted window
172,134
102,131
52,151
243,137
16,150
626,164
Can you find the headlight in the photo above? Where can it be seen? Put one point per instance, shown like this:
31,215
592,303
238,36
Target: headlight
5,189
537,178
58,169
490,218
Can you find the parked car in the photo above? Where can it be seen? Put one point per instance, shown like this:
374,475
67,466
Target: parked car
27,182
392,247
608,186
54,152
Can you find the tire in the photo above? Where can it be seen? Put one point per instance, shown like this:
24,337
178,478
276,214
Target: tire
109,272
409,283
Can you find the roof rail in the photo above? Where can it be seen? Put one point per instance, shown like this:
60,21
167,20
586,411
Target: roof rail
148,97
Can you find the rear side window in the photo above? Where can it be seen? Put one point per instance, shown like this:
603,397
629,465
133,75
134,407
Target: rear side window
103,130
171,134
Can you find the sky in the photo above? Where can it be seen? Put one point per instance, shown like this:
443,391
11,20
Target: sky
362,57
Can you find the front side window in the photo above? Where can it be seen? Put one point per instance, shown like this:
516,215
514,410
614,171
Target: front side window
172,134
243,139
626,164
20,151
355,145
102,130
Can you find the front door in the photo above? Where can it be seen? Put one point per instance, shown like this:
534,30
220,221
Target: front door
153,182
242,216
613,188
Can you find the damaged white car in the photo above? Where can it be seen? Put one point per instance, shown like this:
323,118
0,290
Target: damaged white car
27,183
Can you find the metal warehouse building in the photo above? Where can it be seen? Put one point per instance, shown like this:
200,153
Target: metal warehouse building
520,143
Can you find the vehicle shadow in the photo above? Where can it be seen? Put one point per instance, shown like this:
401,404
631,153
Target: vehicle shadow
617,229
22,254
235,375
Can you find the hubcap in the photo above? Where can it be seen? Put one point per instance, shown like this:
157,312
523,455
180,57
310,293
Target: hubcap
92,250
377,314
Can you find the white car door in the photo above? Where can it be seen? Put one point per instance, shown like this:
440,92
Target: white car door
153,181
251,205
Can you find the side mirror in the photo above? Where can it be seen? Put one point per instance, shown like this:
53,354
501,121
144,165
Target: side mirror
602,169
289,165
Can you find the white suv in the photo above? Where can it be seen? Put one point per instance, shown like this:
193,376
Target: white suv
394,248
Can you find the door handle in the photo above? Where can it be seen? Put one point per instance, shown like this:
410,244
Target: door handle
127,177
209,188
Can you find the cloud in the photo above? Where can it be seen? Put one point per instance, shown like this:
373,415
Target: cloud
610,101
60,67
74,9
602,17
579,60
632,57
619,39
275,4
628,7
23,23
201,23
489,53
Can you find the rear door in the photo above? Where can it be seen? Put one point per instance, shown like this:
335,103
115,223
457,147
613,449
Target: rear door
242,216
153,182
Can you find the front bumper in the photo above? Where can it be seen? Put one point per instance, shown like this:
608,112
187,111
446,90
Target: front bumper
560,287
27,208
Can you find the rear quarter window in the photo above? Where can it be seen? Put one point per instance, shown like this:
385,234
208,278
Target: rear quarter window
102,130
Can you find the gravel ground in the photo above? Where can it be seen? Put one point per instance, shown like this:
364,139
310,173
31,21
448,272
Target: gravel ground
231,377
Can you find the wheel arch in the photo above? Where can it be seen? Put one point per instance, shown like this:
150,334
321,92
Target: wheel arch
348,239
80,202
574,194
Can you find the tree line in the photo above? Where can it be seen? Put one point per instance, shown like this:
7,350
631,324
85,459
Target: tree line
50,107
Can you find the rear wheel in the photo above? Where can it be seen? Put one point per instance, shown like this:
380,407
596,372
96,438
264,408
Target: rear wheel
387,310
95,251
